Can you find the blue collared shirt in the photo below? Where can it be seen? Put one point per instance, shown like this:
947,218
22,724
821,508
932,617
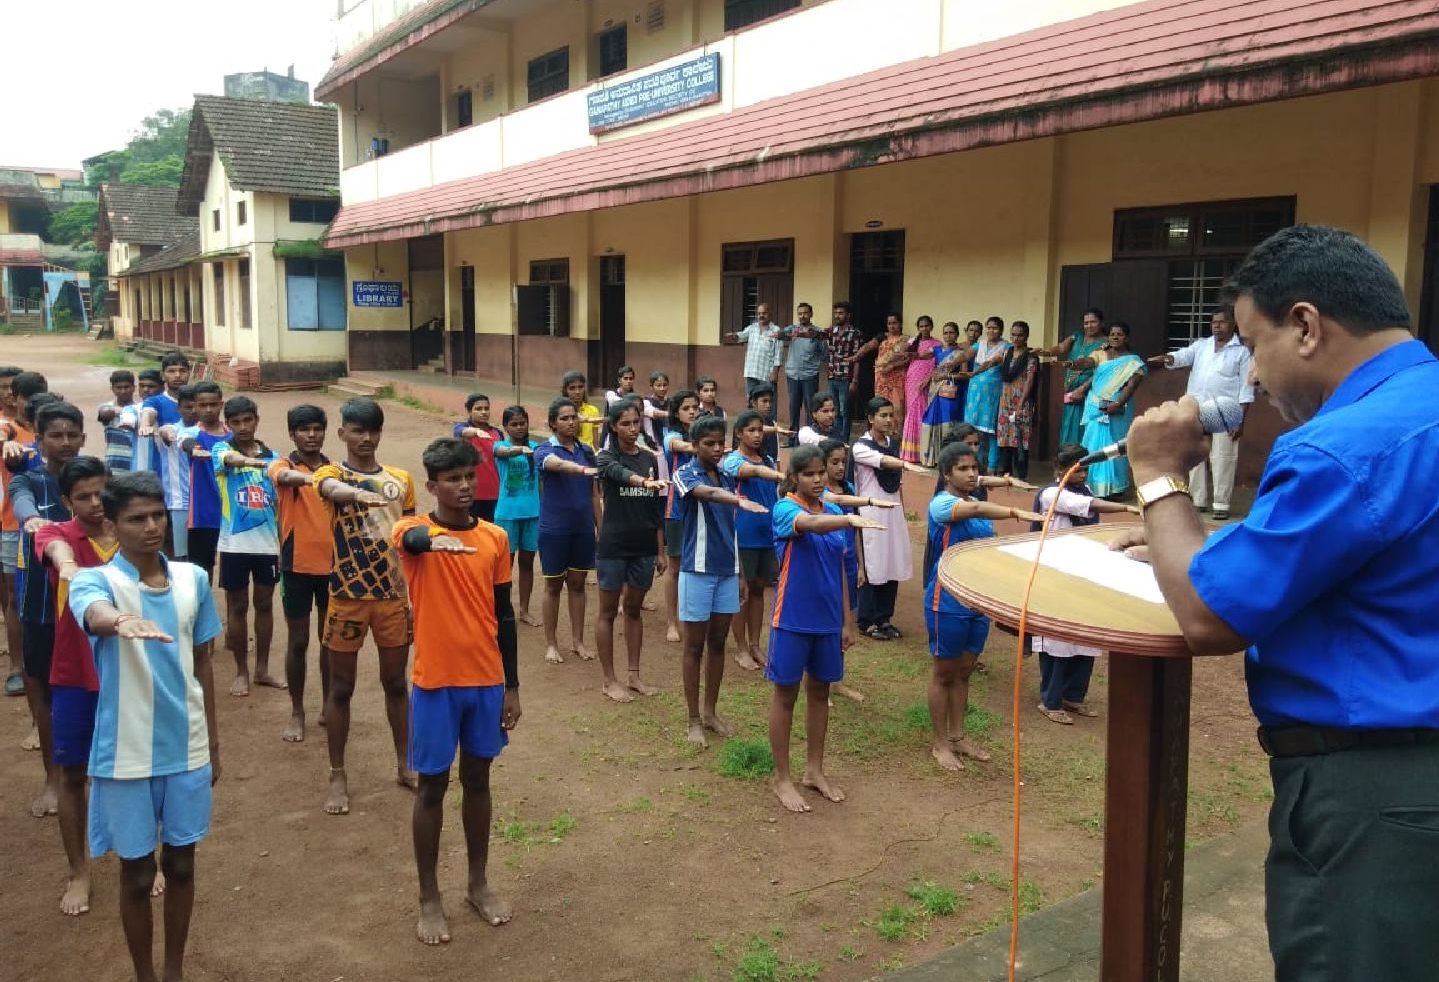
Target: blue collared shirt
1334,574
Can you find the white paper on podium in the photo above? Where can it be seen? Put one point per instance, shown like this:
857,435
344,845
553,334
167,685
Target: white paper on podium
1092,561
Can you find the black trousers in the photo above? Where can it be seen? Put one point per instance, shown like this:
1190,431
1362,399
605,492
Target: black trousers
876,603
1353,867
203,545
1064,680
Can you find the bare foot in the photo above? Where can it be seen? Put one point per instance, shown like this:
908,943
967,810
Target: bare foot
585,654
636,685
817,780
649,605
746,661
407,778
847,692
45,805
295,730
696,734
672,634
969,749
489,906
157,889
241,686
268,680
947,759
76,898
617,692
757,655
553,656
337,802
718,725
432,928
790,797
527,618
31,742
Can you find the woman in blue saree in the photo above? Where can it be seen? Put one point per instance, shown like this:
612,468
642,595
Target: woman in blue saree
981,401
1109,407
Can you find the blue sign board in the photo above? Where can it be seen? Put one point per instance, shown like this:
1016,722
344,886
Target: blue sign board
662,93
378,293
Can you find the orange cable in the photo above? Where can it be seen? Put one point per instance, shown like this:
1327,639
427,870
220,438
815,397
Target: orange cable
1014,711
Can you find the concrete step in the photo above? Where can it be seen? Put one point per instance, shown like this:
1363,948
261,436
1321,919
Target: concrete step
359,386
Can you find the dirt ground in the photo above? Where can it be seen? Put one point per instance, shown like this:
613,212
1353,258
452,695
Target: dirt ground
627,854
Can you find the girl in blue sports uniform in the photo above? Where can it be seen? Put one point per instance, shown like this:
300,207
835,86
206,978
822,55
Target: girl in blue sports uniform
956,633
812,622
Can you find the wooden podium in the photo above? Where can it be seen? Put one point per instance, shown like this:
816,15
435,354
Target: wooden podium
1146,784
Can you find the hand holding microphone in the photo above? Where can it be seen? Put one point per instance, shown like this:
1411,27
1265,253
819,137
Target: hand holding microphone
1173,437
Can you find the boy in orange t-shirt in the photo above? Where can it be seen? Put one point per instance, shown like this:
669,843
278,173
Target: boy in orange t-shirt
466,676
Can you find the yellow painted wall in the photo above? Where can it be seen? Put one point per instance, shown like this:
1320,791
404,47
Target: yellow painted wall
488,251
406,112
655,241
553,27
469,67
388,261
643,47
565,237
4,217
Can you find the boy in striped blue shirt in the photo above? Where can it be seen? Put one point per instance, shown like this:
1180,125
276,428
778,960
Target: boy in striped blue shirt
155,751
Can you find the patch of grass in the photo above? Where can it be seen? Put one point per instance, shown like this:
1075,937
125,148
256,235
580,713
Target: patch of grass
894,922
759,962
111,356
849,953
978,721
515,832
639,805
692,793
420,405
933,899
1091,822
981,840
892,964
798,971
1031,898
562,825
745,759
916,716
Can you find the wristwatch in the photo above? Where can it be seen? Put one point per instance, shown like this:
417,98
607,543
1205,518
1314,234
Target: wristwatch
1161,487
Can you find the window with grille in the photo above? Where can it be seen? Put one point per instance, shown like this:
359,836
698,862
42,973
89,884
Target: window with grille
752,273
612,271
549,74
1204,243
220,308
319,211
877,252
743,13
242,213
613,47
244,285
464,108
544,305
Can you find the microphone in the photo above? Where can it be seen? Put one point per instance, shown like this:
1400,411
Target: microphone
1218,415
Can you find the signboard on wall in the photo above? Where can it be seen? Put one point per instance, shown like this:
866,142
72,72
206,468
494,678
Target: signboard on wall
378,293
662,93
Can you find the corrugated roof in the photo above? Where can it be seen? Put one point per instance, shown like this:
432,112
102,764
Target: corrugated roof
139,214
179,253
1145,61
282,147
401,35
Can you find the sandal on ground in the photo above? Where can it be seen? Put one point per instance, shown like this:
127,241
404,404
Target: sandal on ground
876,632
1056,715
14,684
891,632
1079,709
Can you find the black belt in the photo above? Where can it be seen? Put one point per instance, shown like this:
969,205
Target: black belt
1307,741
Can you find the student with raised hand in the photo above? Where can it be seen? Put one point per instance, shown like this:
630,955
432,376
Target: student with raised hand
307,554
956,633
575,387
65,548
120,416
656,410
624,389
152,761
878,471
682,410
569,519
756,475
249,543
813,621
205,516
631,544
171,441
518,510
821,426
709,571
476,429
465,695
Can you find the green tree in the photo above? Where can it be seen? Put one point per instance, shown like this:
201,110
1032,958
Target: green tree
157,173
160,137
74,224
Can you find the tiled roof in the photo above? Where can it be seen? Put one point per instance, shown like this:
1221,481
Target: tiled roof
1143,61
139,214
403,33
179,253
282,147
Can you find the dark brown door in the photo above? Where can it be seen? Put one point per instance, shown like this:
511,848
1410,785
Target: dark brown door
611,354
876,288
467,319
1429,292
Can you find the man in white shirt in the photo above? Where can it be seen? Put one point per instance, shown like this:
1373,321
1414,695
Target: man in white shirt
764,351
1218,366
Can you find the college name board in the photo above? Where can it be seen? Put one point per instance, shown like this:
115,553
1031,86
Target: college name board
378,293
662,93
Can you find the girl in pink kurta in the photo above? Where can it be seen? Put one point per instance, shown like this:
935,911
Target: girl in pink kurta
916,387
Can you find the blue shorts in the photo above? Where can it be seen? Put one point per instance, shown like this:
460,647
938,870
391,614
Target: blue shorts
9,552
636,572
72,717
523,533
701,595
956,634
467,716
791,654
126,815
561,552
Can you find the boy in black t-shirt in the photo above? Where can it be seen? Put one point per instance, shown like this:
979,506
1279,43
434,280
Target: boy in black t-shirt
631,544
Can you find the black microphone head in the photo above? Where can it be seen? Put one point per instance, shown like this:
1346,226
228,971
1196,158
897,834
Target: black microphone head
1222,414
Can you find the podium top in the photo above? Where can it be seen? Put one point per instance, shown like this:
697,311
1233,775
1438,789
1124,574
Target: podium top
1130,617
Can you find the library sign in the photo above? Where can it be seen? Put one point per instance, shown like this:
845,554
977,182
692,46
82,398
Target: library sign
378,293
662,93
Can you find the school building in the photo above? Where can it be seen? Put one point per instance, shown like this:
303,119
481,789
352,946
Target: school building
529,187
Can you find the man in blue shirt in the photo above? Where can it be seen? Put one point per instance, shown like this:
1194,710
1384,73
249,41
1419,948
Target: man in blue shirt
1329,583
569,518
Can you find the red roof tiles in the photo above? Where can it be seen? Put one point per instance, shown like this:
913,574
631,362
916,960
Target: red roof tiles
1145,61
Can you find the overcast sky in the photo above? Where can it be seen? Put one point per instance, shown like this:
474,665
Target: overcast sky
77,77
